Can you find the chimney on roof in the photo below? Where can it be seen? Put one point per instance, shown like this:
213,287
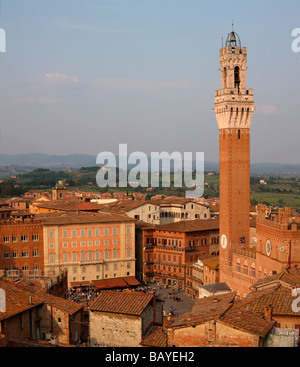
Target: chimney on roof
268,312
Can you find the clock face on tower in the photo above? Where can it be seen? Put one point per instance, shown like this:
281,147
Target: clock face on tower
224,241
268,248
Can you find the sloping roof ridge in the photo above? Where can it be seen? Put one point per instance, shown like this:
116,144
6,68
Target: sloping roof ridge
241,304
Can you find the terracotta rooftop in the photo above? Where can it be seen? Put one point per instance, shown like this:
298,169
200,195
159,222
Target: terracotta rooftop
69,205
59,303
247,321
221,308
212,262
121,302
279,298
156,337
205,309
121,282
17,300
78,218
289,278
190,226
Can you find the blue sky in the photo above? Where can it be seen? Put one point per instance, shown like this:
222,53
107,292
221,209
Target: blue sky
83,76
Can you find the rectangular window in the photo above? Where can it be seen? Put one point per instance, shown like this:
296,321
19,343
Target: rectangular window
74,244
90,232
115,242
74,256
51,234
65,244
106,242
82,244
82,232
106,231
51,258
97,243
6,239
97,232
35,237
115,230
51,245
65,234
24,238
25,253
90,243
14,238
65,257
15,254
74,233
6,255
35,253
128,229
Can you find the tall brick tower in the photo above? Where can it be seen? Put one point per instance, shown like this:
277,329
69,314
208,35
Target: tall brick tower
234,107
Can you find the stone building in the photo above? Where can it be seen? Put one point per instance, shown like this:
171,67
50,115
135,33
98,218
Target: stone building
120,319
169,248
162,211
89,246
22,246
216,322
31,314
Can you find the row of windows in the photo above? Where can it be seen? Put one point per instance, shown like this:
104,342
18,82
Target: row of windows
23,238
165,257
24,268
168,268
90,243
107,267
89,255
23,253
91,232
98,276
250,271
175,243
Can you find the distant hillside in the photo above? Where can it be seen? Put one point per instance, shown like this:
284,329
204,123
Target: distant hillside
21,163
36,160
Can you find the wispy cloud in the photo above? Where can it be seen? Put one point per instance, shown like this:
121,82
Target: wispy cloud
60,79
268,110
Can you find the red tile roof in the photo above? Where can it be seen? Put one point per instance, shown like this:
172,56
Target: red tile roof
155,337
115,283
121,302
190,226
279,298
81,218
35,290
222,308
17,300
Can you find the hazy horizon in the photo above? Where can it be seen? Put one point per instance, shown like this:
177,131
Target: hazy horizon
83,77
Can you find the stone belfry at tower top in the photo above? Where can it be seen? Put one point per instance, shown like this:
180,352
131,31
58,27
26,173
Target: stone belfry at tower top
234,104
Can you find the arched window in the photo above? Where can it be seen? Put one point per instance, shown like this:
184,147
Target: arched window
237,77
225,78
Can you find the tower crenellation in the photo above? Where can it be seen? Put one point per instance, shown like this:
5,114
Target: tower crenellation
234,103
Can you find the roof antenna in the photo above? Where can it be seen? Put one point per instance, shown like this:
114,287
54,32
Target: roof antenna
232,25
